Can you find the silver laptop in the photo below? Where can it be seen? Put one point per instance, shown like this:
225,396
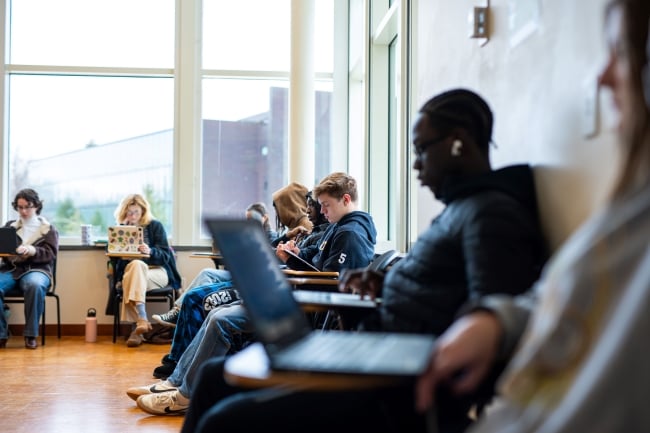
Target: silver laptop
8,240
283,329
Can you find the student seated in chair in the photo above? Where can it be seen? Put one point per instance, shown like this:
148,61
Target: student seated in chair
487,240
31,269
138,276
348,242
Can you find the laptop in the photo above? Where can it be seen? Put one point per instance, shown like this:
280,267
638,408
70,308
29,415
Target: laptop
8,240
124,239
282,327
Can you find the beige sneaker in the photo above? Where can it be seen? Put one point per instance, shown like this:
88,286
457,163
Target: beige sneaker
135,339
142,326
165,403
158,387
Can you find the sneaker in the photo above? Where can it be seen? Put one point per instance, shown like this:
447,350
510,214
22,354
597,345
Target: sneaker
31,343
134,340
165,370
156,388
142,326
168,319
166,403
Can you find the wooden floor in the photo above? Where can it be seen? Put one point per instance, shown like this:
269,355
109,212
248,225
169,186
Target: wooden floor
70,386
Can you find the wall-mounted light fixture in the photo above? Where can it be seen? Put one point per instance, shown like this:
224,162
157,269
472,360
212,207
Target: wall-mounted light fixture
478,21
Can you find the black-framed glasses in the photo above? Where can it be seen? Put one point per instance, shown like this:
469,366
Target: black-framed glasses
420,148
25,207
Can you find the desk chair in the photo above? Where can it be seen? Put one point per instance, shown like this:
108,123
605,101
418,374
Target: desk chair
380,263
163,294
16,296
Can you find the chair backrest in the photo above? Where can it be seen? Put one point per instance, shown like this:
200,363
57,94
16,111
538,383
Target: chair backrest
382,262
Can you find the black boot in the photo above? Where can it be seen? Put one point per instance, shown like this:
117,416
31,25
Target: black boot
166,369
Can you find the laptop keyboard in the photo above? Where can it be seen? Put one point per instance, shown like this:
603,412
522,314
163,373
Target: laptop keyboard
352,352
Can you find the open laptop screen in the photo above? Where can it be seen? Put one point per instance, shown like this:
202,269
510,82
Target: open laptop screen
8,240
255,270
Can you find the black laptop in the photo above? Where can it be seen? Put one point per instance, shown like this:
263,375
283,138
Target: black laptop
283,329
9,240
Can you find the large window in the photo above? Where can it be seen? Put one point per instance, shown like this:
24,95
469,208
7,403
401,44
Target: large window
387,89
96,106
90,106
246,100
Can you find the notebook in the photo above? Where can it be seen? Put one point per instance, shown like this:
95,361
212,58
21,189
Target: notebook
282,327
124,239
8,240
305,262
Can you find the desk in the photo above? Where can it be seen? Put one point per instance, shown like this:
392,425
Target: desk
312,281
250,368
216,258
311,300
337,306
315,274
311,278
205,255
127,256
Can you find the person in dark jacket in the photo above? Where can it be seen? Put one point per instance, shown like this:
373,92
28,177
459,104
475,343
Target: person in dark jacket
138,276
32,268
487,240
319,223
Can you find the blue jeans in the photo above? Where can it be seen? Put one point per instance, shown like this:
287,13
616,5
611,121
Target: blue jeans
197,303
224,329
203,278
34,286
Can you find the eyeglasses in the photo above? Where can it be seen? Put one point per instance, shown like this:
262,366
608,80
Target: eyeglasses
25,207
420,148
133,212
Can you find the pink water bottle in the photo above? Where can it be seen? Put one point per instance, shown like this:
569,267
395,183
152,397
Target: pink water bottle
91,326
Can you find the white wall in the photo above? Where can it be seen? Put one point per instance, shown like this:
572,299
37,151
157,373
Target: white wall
535,89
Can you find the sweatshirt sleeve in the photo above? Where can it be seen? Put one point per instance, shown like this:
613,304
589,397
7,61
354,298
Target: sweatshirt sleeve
512,312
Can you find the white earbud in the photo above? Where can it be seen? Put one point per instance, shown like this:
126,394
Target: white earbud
456,147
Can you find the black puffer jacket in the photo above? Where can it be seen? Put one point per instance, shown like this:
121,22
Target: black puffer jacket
487,240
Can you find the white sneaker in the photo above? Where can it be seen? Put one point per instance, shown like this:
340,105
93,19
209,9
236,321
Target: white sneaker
156,388
166,403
